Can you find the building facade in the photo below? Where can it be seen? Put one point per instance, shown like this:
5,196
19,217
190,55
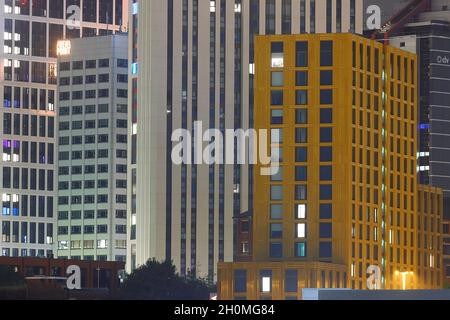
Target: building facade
92,149
94,274
27,117
132,123
196,63
343,195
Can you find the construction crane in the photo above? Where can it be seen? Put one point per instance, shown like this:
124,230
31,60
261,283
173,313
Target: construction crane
401,18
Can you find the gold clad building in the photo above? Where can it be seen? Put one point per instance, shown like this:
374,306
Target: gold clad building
342,206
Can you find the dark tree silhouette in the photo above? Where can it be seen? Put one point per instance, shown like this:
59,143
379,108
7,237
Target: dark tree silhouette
160,281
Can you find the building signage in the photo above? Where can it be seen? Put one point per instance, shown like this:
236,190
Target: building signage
63,48
443,59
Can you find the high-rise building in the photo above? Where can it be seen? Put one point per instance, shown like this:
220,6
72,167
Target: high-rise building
27,118
92,148
132,124
196,63
341,208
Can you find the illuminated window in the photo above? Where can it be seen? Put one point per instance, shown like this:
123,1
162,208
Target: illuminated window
277,59
301,230
300,250
276,192
63,245
300,211
102,244
277,79
266,281
276,211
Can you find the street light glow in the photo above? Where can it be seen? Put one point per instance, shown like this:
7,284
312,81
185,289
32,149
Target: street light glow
404,274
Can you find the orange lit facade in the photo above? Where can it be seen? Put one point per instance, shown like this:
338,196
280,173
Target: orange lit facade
342,202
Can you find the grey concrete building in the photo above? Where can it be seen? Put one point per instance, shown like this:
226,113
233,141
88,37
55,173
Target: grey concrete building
92,149
196,63
28,172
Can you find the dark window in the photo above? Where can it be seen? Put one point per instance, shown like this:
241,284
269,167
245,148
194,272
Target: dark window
77,65
240,281
39,42
301,135
301,173
122,63
103,63
326,78
276,250
276,98
325,250
325,230
326,97
326,211
90,10
326,53
326,116
326,192
302,54
91,79
301,192
301,78
326,135
301,97
291,281
91,64
103,78
77,80
326,173
326,154
277,117
301,116
301,154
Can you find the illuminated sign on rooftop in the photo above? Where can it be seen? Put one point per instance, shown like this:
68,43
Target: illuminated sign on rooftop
63,47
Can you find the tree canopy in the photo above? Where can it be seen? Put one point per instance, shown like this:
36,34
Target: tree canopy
160,281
